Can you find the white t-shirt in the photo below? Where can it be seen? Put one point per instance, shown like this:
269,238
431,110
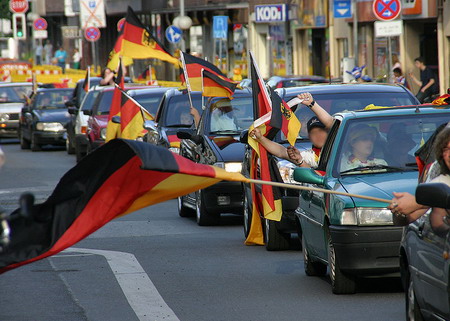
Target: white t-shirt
445,179
351,162
310,158
220,121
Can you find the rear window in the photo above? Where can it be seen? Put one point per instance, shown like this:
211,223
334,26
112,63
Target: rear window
177,111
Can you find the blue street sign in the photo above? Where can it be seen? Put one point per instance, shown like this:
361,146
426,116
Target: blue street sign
342,9
173,34
220,27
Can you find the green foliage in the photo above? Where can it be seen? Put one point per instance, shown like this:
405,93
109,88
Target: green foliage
4,9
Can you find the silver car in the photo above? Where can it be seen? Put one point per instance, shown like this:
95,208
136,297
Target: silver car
12,98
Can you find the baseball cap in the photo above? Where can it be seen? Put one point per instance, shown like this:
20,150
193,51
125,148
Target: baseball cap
313,123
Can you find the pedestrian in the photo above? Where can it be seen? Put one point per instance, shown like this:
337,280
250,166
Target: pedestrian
428,80
48,50
107,77
399,78
39,53
61,56
76,58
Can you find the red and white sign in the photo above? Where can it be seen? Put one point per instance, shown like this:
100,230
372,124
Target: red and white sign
92,34
40,24
386,10
18,6
120,24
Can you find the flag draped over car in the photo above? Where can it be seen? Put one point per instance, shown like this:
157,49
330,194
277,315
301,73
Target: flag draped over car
213,83
138,42
112,129
132,117
131,176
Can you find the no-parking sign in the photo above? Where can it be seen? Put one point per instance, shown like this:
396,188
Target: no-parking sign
92,34
386,9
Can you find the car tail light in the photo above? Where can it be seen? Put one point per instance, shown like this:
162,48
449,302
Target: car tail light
83,129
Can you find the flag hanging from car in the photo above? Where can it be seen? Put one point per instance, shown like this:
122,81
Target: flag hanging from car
138,42
112,129
131,175
132,117
216,86
87,80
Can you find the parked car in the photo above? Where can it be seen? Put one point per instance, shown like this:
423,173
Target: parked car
43,120
356,237
424,260
173,115
295,81
334,98
216,142
12,98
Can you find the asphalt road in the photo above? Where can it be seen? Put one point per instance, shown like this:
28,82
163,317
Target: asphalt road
154,265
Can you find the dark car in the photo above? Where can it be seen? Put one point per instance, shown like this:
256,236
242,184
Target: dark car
12,98
216,142
43,120
424,259
173,115
295,81
333,98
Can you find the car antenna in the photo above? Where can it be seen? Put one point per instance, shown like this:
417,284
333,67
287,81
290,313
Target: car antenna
417,109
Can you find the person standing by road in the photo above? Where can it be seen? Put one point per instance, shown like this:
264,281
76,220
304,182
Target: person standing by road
76,58
428,80
48,50
39,53
61,56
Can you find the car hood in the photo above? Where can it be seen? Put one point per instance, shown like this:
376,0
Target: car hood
11,107
228,148
102,120
380,185
52,115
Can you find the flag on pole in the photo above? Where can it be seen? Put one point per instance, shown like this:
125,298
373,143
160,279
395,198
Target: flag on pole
116,179
112,129
216,86
114,55
138,42
132,118
87,80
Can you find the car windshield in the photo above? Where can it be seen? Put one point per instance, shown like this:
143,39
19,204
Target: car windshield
384,144
14,94
52,99
230,116
103,102
88,101
150,101
342,102
177,112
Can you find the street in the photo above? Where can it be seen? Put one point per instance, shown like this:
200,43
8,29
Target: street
189,272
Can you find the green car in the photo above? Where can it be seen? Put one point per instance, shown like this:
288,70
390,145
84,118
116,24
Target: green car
369,153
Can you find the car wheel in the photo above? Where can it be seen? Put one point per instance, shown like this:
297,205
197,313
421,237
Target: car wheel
312,268
69,146
341,283
184,211
275,240
203,217
35,147
24,143
247,215
412,307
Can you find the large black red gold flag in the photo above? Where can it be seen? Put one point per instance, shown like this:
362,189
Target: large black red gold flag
132,175
138,42
216,86
132,118
115,53
112,129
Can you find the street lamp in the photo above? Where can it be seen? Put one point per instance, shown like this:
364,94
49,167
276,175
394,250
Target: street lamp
183,22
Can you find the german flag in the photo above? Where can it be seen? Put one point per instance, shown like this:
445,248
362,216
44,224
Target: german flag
112,129
132,175
132,118
114,55
442,100
87,80
216,86
194,67
138,41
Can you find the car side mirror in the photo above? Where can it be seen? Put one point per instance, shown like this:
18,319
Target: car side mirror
433,195
150,125
243,138
70,103
72,110
184,134
115,119
197,139
87,112
308,175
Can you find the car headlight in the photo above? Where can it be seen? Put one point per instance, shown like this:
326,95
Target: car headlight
366,216
50,127
175,150
103,133
233,167
4,117
286,169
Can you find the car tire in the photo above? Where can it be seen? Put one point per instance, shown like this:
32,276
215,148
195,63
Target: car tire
204,218
248,211
275,240
412,306
69,146
35,147
341,283
184,211
312,268
24,143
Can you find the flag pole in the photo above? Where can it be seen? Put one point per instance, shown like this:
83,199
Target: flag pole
89,77
150,74
203,98
188,85
252,60
143,110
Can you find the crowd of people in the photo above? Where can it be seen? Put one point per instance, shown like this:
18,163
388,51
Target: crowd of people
46,55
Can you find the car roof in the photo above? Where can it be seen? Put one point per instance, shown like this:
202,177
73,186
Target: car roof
127,86
291,77
90,78
53,89
395,111
146,90
342,88
15,84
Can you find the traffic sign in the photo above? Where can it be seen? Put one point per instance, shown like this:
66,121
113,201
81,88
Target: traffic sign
120,24
173,34
220,27
386,9
18,6
342,9
40,34
92,13
92,34
40,24
388,28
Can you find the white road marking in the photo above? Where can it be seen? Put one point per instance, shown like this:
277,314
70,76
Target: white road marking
137,287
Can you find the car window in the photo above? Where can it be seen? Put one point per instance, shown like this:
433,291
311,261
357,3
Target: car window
52,99
177,111
231,115
337,103
10,94
149,101
379,142
88,102
103,103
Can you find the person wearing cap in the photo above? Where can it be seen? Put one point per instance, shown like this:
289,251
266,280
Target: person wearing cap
222,118
317,133
361,141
